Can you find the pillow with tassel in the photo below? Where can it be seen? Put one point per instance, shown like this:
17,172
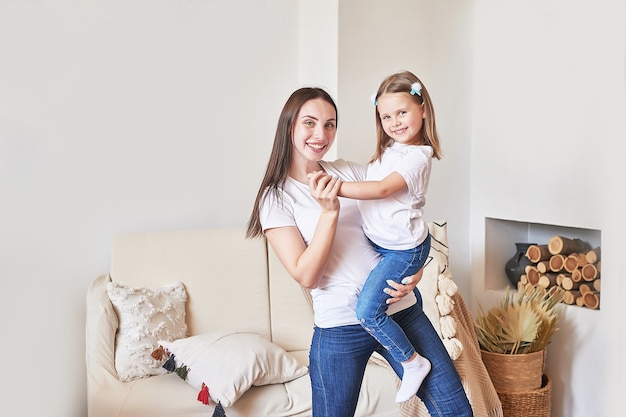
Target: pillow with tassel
145,316
223,365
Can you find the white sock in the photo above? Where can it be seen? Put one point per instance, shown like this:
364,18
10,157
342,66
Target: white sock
414,373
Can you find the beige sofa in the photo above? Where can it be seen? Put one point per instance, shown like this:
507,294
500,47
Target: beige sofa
233,283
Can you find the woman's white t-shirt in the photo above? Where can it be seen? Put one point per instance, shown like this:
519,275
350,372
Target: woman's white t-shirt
351,257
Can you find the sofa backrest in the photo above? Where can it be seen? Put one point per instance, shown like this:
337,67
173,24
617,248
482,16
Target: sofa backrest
225,274
291,308
232,282
238,283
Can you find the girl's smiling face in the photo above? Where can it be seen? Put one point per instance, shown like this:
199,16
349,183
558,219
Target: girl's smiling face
401,117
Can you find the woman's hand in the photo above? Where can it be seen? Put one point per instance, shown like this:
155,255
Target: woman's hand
325,189
398,291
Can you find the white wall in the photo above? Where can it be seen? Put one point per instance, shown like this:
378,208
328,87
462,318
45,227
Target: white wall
132,115
119,116
317,48
548,148
433,40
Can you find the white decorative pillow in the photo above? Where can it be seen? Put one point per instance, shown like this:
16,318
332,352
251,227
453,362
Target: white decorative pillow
229,362
146,316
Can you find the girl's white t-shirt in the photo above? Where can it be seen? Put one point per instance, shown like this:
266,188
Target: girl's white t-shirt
351,257
397,222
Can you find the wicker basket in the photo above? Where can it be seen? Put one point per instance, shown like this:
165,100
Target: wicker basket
515,373
535,403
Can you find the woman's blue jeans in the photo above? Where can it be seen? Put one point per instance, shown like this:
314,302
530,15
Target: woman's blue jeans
371,308
338,357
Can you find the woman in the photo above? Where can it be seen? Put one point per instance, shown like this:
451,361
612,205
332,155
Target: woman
318,238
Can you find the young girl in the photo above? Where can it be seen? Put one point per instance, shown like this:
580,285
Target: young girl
391,201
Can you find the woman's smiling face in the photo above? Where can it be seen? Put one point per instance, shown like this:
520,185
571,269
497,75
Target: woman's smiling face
314,130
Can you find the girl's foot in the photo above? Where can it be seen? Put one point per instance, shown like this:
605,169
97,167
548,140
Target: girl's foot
415,371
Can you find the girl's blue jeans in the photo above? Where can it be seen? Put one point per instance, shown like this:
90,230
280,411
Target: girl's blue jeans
371,308
338,357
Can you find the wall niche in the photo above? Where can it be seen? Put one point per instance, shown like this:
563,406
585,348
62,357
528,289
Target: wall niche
503,238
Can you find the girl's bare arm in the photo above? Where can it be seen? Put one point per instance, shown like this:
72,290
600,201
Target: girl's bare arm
373,190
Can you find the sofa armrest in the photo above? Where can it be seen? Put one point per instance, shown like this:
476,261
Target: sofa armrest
100,329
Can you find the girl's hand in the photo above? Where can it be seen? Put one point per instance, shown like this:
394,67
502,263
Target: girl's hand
398,291
325,189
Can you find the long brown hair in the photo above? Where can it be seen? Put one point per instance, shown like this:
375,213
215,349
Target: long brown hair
400,82
280,159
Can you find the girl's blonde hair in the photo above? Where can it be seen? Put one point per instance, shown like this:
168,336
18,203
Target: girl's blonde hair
401,82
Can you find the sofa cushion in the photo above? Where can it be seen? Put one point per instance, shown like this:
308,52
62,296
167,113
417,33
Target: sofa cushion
230,362
146,315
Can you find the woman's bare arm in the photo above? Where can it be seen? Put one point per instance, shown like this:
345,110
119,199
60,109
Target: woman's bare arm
306,264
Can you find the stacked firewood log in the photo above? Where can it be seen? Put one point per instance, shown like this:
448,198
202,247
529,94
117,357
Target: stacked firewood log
570,264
